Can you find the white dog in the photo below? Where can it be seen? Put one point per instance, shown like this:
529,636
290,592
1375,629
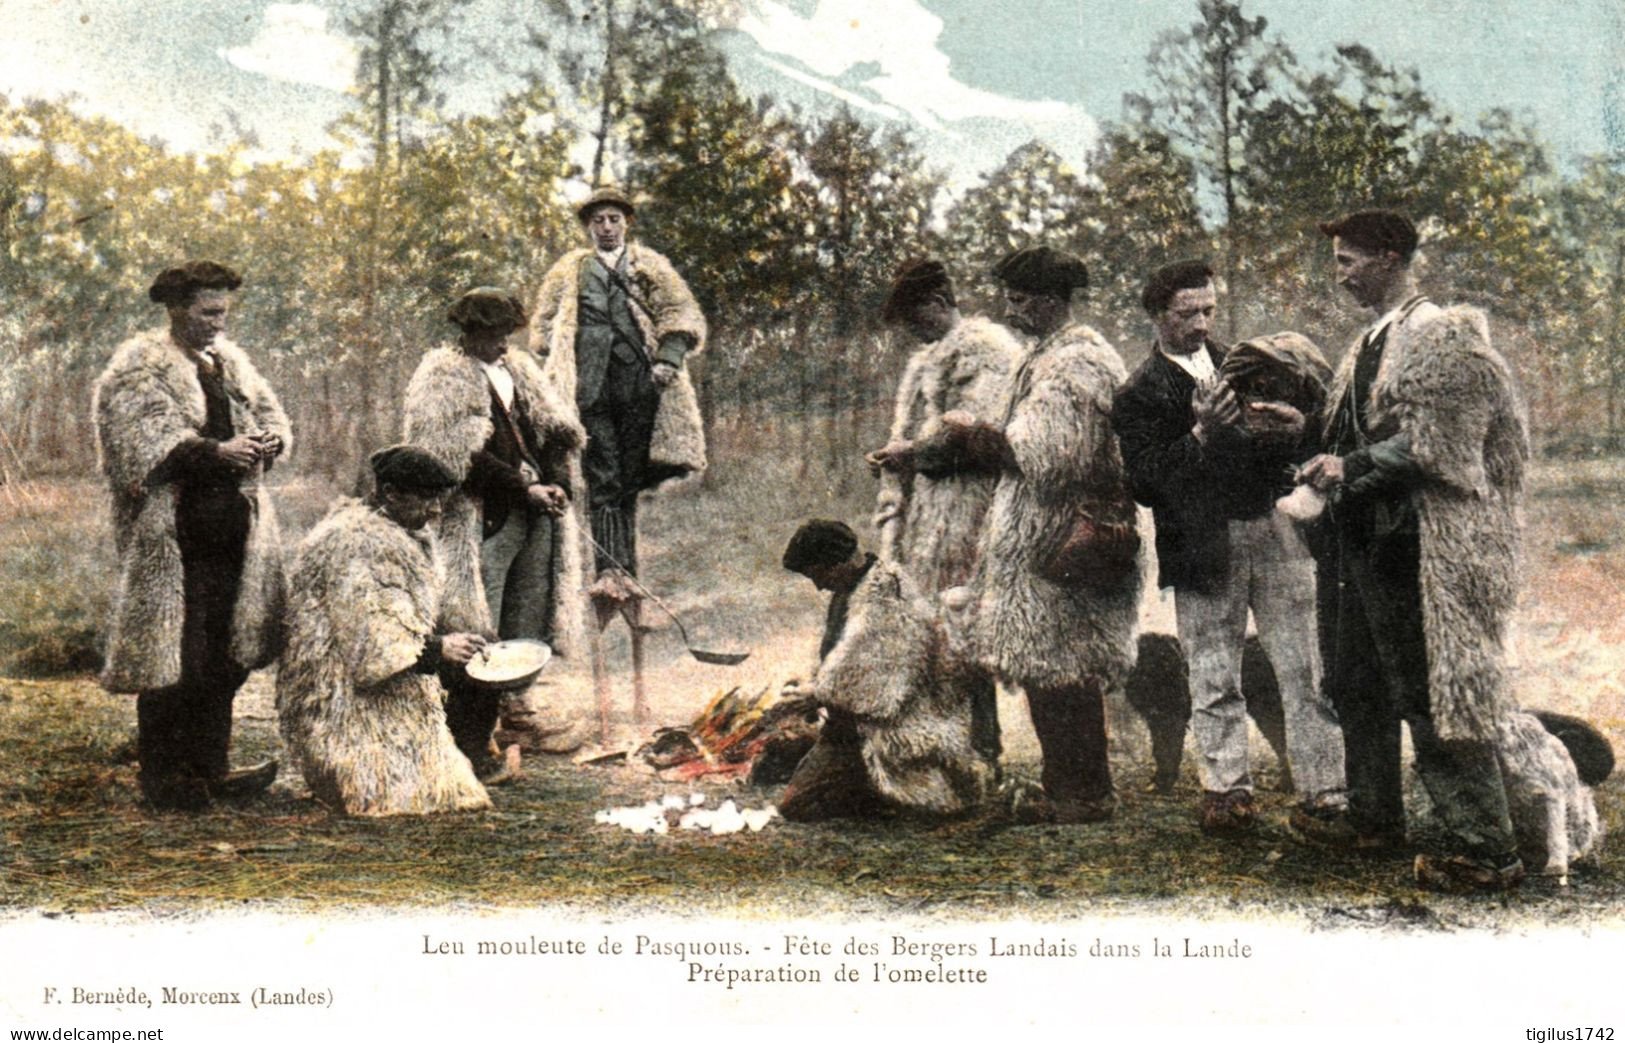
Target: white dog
1553,812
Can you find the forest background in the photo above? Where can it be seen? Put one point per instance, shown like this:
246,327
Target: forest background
787,225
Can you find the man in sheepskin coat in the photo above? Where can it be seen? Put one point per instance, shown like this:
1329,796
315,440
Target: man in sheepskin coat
186,429
1064,638
928,514
1211,465
615,324
1426,447
356,693
898,729
512,549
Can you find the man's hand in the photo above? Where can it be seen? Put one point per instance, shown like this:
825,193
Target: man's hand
958,418
241,452
1276,417
460,648
664,374
893,456
1215,408
270,446
1324,472
548,498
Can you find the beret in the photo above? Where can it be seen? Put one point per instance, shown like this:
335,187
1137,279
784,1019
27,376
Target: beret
410,468
917,280
605,195
820,543
1044,270
177,285
489,307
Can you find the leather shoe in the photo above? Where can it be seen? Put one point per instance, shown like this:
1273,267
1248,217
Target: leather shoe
242,783
1226,813
1459,874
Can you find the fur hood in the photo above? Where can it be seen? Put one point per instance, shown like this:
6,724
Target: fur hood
369,731
1441,383
1057,419
145,404
664,305
931,525
448,414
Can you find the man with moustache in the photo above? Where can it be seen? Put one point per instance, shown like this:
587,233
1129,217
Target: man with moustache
1426,445
1063,635
1211,468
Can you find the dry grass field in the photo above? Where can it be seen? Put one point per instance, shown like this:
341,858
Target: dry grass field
73,835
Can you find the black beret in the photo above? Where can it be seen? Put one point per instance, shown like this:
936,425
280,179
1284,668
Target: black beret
488,307
1169,280
917,280
821,543
178,285
1043,270
605,195
1375,230
409,468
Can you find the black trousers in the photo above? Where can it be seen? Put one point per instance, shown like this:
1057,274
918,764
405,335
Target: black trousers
1071,724
472,714
184,730
620,425
1377,677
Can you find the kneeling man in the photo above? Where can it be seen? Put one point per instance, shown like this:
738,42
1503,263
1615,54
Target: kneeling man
358,697
898,734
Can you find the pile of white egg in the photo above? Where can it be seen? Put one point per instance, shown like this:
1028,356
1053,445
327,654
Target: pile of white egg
675,812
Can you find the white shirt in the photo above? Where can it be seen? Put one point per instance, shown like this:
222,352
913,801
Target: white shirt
1199,364
610,260
501,381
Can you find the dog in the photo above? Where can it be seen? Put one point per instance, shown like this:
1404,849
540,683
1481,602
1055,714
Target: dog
1159,691
1549,762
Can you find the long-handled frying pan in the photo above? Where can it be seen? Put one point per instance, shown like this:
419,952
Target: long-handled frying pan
699,654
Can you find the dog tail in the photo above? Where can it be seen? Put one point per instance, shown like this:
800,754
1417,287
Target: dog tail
1590,749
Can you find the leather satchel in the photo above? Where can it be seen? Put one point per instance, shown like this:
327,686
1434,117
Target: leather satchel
1100,550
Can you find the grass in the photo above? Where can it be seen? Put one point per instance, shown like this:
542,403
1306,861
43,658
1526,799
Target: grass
76,838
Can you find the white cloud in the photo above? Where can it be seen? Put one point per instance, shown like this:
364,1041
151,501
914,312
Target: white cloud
294,44
900,38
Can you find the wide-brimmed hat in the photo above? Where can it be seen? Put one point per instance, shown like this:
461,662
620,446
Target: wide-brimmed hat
918,280
412,469
177,285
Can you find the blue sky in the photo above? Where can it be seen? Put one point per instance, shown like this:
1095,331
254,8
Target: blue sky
968,77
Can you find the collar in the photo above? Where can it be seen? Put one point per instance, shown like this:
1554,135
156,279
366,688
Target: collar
612,261
1396,314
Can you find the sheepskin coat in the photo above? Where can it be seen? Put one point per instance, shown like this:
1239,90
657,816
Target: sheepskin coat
369,730
146,403
1057,420
931,525
448,414
1441,384
890,672
662,304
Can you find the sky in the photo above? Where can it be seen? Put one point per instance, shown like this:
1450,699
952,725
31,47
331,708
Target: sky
968,78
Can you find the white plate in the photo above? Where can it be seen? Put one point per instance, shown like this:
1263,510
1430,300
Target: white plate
508,663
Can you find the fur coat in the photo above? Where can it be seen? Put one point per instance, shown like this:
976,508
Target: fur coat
368,730
146,403
1057,421
890,672
1441,384
931,526
662,304
448,414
